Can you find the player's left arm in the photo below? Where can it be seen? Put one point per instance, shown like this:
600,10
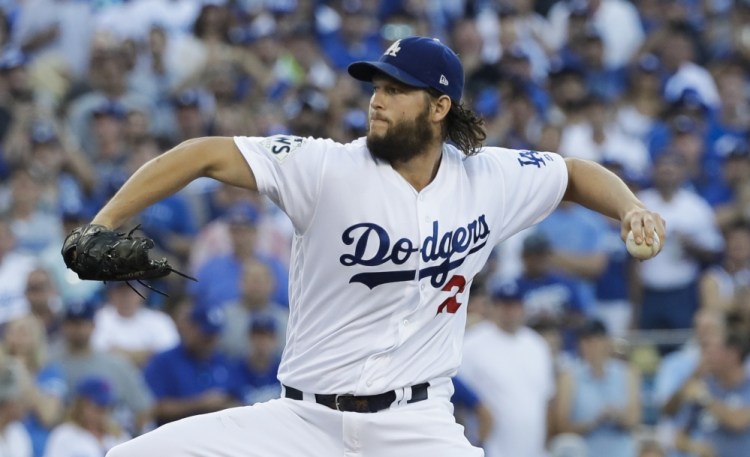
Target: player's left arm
596,188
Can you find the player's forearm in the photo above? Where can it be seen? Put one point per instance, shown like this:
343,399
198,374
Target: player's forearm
596,188
214,157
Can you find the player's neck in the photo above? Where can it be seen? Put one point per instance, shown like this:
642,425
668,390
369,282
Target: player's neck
419,171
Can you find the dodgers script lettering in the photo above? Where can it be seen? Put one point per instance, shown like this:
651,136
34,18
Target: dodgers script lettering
451,248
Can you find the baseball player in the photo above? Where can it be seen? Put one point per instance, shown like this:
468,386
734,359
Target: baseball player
390,230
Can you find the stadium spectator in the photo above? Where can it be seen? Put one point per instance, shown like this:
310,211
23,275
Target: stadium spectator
471,413
599,397
577,237
594,135
669,281
731,198
34,228
256,285
15,440
678,368
78,359
194,377
218,277
44,304
616,20
548,295
353,37
641,104
90,430
14,269
719,284
715,421
677,49
518,399
125,326
254,375
44,388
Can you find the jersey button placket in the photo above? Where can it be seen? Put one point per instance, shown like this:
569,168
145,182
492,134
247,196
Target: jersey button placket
425,228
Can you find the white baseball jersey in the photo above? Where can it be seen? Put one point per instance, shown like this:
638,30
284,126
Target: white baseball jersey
380,273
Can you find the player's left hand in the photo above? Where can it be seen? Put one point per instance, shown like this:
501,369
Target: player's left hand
643,223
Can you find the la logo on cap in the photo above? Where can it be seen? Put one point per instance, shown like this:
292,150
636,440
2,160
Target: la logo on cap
393,49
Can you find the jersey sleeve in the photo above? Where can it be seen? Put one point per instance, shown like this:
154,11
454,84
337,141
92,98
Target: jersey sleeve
531,185
289,170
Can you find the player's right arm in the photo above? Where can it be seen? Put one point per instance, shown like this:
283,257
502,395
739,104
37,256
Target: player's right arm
213,157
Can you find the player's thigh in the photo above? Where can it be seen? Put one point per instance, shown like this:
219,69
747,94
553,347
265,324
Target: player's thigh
421,429
283,428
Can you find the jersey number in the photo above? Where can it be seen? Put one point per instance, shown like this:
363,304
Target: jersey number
451,305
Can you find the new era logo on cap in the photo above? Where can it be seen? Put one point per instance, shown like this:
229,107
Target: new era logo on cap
417,62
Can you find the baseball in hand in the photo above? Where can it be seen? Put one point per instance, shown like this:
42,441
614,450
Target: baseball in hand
642,251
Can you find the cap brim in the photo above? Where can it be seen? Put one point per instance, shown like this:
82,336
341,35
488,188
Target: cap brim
364,71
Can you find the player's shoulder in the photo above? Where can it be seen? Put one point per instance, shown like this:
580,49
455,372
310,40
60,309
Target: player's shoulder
510,159
284,146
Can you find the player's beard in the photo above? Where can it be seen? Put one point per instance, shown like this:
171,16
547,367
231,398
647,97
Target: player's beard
402,141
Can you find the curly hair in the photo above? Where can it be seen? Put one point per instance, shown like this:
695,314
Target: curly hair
462,127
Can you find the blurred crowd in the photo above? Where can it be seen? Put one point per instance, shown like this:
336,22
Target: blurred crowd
655,90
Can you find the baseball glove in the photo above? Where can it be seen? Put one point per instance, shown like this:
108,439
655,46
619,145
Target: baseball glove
94,252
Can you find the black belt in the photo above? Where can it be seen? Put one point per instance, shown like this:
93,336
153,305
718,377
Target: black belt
360,403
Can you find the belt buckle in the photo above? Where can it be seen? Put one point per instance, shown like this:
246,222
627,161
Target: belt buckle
336,402
356,404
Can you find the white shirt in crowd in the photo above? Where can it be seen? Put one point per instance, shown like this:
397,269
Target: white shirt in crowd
616,20
15,441
513,375
70,440
14,269
689,216
146,330
577,140
692,76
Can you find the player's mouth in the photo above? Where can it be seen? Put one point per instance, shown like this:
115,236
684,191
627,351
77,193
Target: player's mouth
380,120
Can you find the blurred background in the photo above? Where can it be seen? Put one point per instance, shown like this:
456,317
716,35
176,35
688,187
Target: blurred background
647,358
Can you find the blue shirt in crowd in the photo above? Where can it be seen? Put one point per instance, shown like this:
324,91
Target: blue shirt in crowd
171,215
612,284
701,425
552,295
219,280
591,396
573,229
255,386
50,381
175,374
463,396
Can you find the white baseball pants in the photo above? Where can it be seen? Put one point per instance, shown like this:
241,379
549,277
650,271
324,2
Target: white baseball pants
295,428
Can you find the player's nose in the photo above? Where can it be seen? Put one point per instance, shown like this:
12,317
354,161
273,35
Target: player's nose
376,101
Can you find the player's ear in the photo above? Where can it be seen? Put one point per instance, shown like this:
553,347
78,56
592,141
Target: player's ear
440,108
